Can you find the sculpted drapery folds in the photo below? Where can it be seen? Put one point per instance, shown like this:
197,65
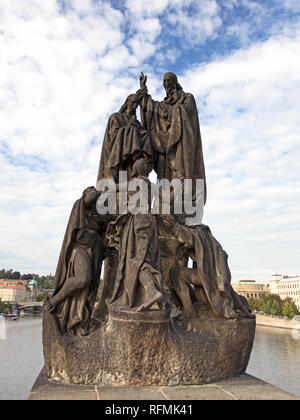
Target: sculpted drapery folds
139,282
211,274
125,141
175,131
78,270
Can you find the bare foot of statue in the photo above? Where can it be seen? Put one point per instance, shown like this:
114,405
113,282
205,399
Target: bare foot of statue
200,307
164,304
82,332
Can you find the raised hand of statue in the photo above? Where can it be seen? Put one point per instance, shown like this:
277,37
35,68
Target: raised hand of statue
143,80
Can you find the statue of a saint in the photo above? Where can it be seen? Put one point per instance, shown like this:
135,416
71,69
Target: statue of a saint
175,131
78,271
125,141
210,276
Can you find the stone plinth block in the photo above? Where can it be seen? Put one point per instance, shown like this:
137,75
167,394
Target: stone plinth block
149,348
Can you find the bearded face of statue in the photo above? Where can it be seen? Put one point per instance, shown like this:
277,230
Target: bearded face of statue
170,84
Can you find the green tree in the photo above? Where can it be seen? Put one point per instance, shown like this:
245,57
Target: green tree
272,305
40,297
256,304
253,304
6,274
4,307
289,308
46,282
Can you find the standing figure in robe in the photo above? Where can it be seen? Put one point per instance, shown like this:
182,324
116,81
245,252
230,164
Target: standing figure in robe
175,131
125,141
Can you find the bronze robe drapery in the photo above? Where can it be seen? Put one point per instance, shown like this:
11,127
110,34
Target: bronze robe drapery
175,134
125,140
82,234
212,267
136,238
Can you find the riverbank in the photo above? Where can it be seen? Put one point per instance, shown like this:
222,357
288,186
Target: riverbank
277,322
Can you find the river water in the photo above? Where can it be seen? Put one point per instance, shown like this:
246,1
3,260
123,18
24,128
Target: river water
21,357
275,358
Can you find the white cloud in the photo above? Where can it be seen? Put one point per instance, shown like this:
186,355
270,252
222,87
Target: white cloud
197,24
189,20
55,67
144,8
294,5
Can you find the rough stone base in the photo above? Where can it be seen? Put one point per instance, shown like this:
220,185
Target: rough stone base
245,387
149,349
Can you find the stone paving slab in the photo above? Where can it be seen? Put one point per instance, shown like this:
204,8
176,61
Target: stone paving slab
245,387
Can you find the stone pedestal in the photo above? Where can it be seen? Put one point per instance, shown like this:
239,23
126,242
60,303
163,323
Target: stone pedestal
244,387
149,348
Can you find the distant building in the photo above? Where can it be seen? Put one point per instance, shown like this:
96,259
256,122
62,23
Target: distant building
34,289
286,286
250,289
18,290
13,292
15,282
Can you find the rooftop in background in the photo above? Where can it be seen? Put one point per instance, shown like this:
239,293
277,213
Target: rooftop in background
252,282
247,281
250,288
285,278
14,281
12,286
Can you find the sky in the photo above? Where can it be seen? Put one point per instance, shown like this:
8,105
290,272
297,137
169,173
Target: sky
66,65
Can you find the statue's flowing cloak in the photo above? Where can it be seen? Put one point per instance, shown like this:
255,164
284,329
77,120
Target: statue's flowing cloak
125,139
175,134
81,230
212,267
136,238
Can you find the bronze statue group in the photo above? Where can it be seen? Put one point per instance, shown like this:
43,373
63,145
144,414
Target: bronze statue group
167,140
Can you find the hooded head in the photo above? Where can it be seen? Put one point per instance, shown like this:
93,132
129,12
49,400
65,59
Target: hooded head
170,83
131,104
90,196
